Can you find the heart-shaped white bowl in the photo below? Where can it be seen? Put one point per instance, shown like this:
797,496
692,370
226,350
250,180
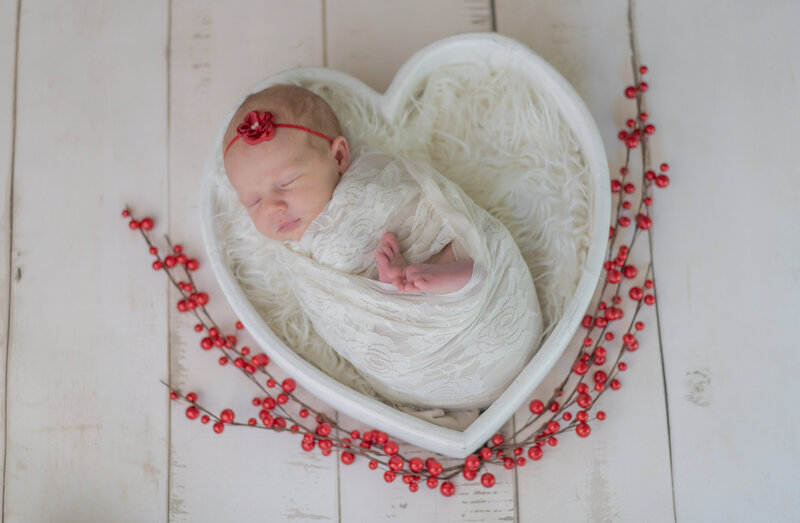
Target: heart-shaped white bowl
479,48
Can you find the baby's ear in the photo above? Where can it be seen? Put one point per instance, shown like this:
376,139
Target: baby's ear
340,151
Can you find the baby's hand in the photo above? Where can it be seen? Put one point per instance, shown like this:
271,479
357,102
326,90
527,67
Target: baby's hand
391,263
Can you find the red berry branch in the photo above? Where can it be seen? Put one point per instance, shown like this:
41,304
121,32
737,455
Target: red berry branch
595,369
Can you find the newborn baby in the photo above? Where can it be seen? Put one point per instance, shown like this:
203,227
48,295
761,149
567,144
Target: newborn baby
398,270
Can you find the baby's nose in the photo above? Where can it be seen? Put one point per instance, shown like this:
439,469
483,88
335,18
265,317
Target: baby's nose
275,206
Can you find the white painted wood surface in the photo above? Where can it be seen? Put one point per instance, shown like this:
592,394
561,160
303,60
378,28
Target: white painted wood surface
90,434
8,50
727,252
87,418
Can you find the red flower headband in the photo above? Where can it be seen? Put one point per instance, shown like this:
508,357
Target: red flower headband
258,127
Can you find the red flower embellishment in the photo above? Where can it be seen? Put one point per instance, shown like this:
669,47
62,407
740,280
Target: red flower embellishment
257,127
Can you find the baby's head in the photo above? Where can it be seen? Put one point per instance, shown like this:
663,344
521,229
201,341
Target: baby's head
285,181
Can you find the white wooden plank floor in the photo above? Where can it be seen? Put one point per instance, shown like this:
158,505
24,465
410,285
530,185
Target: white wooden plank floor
105,103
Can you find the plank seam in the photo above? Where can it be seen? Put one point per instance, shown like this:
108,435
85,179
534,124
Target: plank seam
493,13
338,473
168,64
516,475
324,34
635,64
10,251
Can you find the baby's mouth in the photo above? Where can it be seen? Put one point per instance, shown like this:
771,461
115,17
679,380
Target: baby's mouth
288,226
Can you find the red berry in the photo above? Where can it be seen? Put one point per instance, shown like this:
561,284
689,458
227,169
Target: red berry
614,276
447,489
535,453
584,401
147,224
635,293
469,474
487,480
226,416
373,464
664,167
396,463
485,453
182,259
643,117
153,250
126,213
552,441
555,406
629,271
472,462
192,264
157,265
390,448
201,298
192,412
348,458
649,129
582,429
622,366
239,325
553,427
204,419
413,487
173,395
643,86
388,476
662,180
616,185
639,325
416,465
434,467
622,135
133,224
648,284
182,306
643,69
432,482
630,91
649,299
536,406
288,385
601,415
624,221
218,427
650,175
580,368
615,384
644,221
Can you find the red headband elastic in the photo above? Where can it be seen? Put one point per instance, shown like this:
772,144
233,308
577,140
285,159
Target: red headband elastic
258,127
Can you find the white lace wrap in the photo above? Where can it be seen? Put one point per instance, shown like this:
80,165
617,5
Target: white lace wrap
455,351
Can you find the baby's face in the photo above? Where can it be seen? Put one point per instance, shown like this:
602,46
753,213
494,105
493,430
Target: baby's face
285,183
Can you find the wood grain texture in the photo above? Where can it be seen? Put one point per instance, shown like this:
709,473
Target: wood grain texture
371,39
87,418
725,85
620,473
8,51
219,51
